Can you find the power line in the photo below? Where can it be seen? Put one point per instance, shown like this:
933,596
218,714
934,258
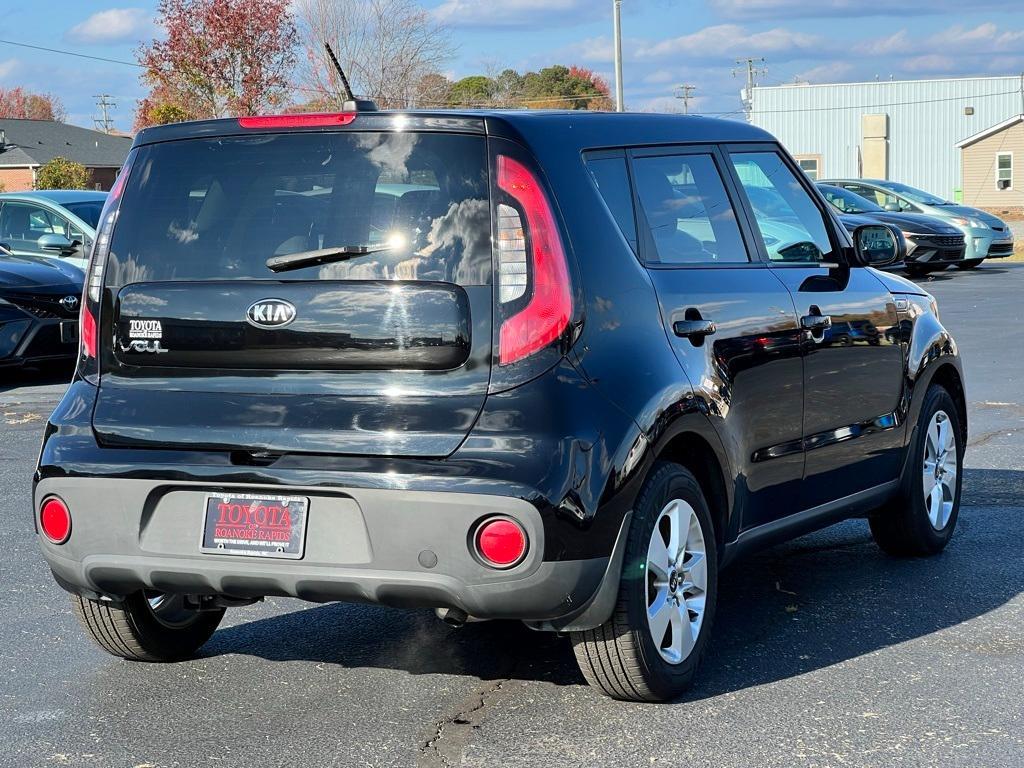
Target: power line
874,105
72,53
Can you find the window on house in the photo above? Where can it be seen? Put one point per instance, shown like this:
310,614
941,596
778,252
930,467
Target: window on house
811,165
1004,170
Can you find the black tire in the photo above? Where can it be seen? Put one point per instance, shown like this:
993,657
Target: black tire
620,657
969,264
133,631
902,527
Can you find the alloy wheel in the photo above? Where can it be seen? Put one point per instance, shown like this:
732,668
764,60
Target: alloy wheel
939,470
677,579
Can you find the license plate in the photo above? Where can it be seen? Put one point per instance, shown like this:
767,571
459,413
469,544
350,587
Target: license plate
255,525
69,332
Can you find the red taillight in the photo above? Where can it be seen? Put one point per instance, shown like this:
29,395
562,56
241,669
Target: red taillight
307,120
500,542
55,520
546,315
88,318
87,331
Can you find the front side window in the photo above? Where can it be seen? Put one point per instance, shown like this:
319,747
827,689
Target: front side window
1004,170
22,224
792,227
690,219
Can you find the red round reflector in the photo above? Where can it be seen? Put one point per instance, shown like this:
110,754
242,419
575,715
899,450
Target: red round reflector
55,520
501,542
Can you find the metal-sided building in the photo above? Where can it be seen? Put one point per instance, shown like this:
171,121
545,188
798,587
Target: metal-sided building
904,130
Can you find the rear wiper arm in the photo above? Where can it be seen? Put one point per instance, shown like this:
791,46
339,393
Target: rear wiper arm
301,259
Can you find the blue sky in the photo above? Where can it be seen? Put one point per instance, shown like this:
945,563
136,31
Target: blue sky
666,43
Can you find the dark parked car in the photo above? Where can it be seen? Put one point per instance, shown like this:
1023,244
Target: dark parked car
986,236
565,378
39,300
932,244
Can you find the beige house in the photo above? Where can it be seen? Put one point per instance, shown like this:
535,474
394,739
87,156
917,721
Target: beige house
992,163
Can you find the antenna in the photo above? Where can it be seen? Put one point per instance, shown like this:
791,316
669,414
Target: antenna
352,104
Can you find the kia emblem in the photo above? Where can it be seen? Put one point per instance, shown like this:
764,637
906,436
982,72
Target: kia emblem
70,303
270,313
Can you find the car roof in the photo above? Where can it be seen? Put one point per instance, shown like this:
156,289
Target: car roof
571,129
59,196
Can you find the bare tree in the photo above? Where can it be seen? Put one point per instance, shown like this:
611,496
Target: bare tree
387,48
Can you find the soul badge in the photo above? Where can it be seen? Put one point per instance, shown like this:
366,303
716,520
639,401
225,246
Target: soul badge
144,336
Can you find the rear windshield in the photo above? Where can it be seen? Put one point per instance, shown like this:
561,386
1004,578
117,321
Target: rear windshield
217,209
88,211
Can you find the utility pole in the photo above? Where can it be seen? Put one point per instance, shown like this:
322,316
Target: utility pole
104,105
683,93
753,71
617,23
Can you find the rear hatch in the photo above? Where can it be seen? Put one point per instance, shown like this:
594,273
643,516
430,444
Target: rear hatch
372,335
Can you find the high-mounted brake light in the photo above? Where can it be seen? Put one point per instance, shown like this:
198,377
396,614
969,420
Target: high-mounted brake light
547,313
306,120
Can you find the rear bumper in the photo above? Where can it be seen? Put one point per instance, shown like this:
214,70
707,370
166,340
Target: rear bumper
393,547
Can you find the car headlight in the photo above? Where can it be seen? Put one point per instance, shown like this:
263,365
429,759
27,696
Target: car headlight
965,221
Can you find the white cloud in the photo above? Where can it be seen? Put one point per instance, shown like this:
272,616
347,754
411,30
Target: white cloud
731,39
986,36
930,63
115,25
7,68
510,13
898,42
788,9
832,72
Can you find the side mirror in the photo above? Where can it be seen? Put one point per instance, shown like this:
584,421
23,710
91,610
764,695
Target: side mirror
55,243
876,246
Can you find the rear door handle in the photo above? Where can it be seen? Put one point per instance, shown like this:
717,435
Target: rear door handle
694,330
816,323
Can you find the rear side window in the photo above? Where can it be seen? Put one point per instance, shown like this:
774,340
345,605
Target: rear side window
612,181
217,209
690,219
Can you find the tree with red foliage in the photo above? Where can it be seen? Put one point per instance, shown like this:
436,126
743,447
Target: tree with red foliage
218,58
25,105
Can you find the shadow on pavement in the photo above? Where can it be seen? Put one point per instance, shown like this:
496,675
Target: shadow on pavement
51,374
808,604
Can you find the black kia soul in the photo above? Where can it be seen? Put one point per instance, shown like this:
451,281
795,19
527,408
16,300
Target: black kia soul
509,365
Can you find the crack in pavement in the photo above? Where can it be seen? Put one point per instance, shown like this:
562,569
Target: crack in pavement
451,734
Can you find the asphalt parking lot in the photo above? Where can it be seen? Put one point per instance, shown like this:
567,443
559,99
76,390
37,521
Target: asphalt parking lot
825,652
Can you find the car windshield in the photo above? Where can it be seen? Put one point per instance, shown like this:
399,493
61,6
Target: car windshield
87,210
913,194
848,202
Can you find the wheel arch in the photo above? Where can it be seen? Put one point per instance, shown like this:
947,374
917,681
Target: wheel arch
695,452
948,377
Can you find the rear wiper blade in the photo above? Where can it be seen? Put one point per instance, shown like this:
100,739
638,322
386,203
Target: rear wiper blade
322,256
